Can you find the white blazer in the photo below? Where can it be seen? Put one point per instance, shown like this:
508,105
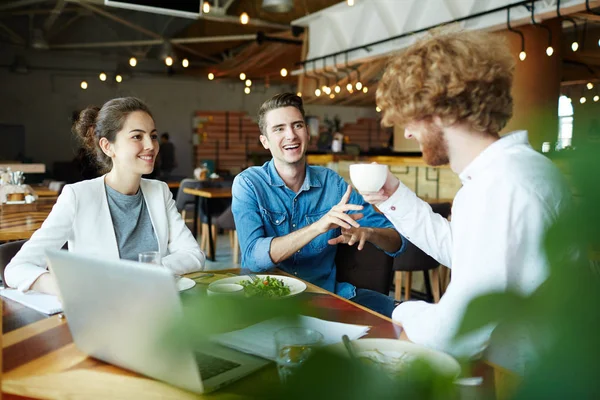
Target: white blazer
82,218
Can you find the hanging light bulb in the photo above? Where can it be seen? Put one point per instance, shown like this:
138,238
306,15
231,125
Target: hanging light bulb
590,85
206,7
102,76
211,76
350,2
349,87
133,61
247,90
119,78
522,56
248,82
84,85
337,88
185,63
244,18
549,51
377,109
283,72
359,85
327,90
596,98
582,100
317,92
299,94
242,76
169,61
332,96
574,46
365,89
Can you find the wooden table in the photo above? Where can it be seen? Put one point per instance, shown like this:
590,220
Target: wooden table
44,191
207,193
174,185
21,225
40,359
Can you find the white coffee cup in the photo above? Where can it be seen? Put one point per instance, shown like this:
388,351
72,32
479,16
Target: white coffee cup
368,178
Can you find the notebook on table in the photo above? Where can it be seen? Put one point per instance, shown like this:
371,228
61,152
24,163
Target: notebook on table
44,303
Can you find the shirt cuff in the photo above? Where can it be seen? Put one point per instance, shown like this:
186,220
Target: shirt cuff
261,255
394,204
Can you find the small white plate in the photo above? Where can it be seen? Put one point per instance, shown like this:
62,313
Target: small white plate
296,286
394,348
185,284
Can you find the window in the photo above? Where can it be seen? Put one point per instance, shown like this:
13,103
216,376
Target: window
565,122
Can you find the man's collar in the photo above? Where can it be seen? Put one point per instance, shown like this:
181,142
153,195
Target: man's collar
311,178
487,156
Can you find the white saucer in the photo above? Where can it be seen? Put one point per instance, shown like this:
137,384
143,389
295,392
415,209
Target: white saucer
185,284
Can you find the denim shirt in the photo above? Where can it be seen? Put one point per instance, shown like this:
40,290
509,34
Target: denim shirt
264,208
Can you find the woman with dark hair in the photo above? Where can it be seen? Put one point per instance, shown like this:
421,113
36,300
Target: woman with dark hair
117,215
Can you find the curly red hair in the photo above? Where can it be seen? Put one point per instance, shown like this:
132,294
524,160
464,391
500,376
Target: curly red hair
460,77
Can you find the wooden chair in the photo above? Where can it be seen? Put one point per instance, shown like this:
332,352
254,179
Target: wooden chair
369,268
414,260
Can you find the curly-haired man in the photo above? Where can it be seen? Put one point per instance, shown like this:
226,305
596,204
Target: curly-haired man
451,92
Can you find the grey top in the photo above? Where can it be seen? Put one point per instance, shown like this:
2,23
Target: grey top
131,220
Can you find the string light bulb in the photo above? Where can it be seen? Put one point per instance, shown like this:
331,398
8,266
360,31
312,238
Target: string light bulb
102,76
248,82
590,85
522,56
327,90
283,72
350,3
549,51
574,46
244,18
365,89
582,100
349,87
596,98
205,7
185,63
377,109
133,61
84,85
119,78
359,85
247,90
242,76
299,94
337,89
332,96
211,76
317,92
169,61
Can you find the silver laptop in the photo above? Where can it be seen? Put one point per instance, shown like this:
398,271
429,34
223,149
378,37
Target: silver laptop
118,312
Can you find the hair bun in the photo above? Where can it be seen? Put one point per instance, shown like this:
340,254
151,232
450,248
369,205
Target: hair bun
83,126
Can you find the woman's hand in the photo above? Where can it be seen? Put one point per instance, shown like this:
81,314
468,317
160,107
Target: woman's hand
46,284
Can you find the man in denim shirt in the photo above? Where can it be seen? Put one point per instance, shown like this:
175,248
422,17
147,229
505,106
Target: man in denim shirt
291,215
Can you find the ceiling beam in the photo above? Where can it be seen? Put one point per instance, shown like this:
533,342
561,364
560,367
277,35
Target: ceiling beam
15,37
154,42
143,30
54,14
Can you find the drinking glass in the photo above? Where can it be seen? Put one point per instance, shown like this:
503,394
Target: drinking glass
294,346
150,257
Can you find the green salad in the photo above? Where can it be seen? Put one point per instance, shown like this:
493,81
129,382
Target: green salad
265,287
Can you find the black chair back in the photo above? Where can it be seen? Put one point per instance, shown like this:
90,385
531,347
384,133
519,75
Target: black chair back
7,252
369,268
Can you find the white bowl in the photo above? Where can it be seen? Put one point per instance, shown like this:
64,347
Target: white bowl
226,289
368,178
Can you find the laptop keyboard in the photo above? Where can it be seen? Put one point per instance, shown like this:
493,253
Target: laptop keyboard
212,366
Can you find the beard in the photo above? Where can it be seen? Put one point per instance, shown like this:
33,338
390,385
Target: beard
434,146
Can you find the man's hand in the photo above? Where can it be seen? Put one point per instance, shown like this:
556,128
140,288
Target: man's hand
389,187
337,217
352,236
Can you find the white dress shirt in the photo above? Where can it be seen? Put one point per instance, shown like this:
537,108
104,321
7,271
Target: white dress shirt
82,218
510,195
